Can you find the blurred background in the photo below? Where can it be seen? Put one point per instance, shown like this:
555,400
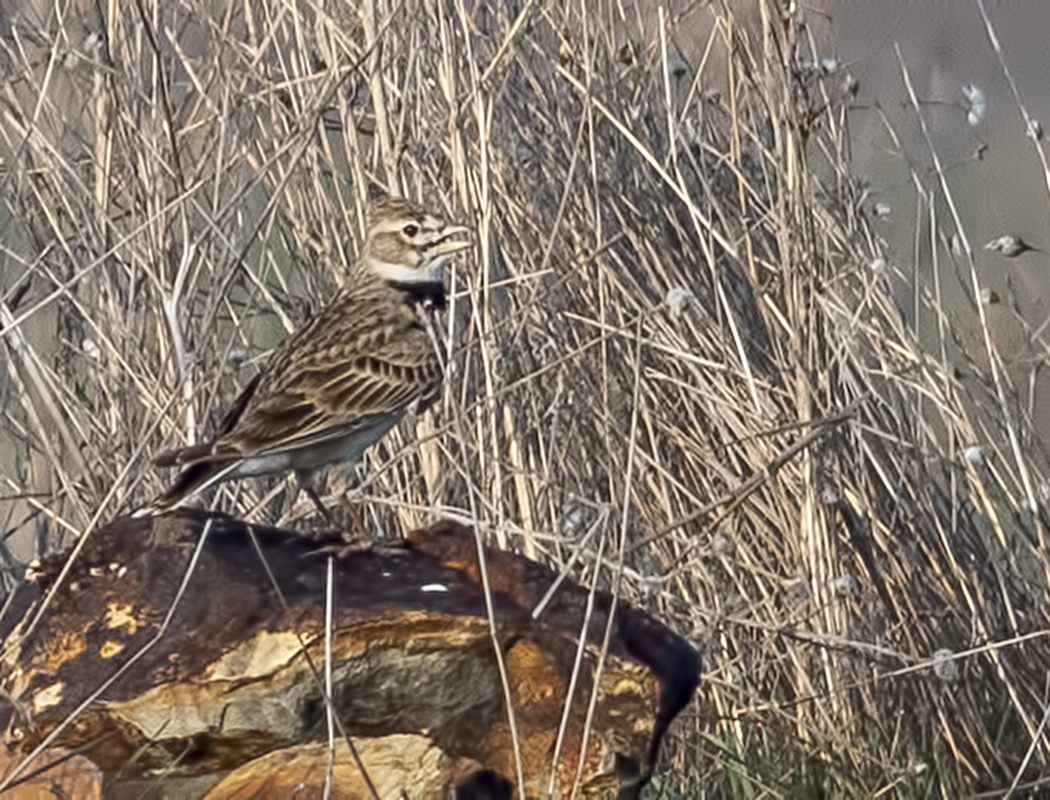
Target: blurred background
1001,185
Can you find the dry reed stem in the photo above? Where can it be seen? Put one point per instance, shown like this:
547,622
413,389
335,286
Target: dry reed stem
805,499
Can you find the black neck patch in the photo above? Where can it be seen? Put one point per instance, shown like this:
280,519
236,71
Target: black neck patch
429,292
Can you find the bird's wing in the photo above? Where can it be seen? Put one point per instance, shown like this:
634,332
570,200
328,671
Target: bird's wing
365,358
205,451
333,388
233,416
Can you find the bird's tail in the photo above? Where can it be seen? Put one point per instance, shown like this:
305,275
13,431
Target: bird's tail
181,456
195,478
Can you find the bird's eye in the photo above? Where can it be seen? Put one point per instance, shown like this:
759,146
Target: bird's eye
410,230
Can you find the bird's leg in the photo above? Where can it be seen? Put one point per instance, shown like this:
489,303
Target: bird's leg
320,506
304,478
358,532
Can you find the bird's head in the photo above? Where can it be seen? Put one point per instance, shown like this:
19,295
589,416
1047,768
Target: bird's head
409,246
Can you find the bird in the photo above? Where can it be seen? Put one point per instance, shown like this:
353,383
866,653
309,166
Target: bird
343,380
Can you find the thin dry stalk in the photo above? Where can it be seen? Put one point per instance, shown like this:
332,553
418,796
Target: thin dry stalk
675,280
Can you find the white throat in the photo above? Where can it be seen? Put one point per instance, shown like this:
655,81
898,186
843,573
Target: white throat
399,273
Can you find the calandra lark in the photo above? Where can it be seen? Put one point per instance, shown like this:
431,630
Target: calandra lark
344,380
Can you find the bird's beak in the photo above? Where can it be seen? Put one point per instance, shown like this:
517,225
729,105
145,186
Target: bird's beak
448,243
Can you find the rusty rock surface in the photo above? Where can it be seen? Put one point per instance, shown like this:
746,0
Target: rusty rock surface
162,658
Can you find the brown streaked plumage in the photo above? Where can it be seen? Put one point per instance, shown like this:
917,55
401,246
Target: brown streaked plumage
341,382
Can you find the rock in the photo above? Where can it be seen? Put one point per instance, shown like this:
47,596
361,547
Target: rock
221,679
57,773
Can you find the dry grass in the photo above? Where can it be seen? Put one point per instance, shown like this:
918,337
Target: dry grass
852,527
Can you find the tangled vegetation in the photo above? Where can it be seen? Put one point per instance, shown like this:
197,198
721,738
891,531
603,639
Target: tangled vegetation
675,358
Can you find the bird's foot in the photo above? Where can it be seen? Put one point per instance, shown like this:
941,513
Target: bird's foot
356,530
